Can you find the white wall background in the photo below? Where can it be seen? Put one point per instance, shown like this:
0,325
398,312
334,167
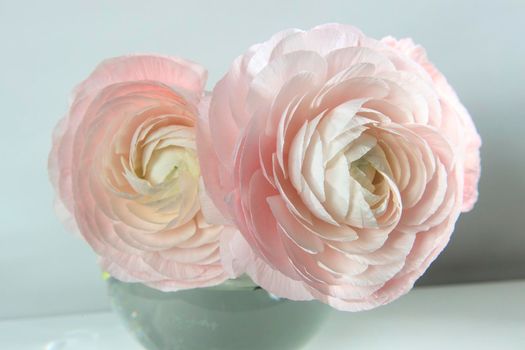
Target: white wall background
46,47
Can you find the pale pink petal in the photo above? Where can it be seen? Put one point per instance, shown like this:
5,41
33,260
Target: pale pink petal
343,160
123,164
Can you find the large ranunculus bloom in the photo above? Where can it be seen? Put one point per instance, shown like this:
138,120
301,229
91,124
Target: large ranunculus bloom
125,167
344,161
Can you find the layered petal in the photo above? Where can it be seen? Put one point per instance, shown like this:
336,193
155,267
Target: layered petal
125,167
343,160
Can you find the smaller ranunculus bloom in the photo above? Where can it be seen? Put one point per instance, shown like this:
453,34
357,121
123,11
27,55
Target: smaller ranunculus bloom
344,161
125,168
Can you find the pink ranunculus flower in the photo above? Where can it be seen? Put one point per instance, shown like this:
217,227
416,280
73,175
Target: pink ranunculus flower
344,161
125,168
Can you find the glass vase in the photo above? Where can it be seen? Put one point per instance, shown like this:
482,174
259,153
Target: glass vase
234,315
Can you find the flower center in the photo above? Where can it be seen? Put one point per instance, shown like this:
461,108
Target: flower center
370,180
168,163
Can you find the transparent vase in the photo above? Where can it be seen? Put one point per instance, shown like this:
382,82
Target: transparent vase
234,315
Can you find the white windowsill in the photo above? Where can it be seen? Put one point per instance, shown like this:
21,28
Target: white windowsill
475,316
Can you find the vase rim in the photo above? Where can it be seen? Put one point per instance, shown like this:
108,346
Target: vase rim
242,282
